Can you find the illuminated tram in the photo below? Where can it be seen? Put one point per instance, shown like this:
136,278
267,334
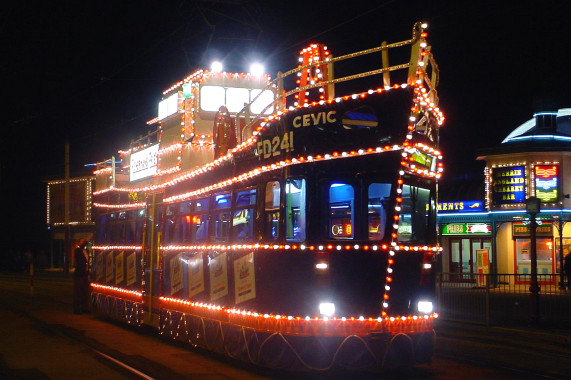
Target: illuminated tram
290,229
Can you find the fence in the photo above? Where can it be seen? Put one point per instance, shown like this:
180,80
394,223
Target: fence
501,299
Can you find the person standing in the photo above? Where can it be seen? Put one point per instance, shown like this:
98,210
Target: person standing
81,279
567,267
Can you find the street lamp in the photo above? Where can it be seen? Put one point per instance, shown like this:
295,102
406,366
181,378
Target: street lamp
532,207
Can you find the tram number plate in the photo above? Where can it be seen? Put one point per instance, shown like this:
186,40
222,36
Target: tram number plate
277,145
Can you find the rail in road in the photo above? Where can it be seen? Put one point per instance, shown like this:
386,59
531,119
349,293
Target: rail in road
109,350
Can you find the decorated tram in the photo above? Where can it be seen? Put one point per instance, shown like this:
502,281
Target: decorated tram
291,228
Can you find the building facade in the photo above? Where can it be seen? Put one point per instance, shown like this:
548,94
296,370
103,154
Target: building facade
534,160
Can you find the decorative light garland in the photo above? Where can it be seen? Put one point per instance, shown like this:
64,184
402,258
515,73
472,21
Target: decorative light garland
252,141
120,206
282,247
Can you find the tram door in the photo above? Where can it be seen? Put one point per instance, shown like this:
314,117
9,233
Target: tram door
151,262
463,256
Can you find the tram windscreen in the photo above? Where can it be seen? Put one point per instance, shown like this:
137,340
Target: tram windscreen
415,217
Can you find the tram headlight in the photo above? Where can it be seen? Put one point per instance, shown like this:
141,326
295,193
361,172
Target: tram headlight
327,309
425,307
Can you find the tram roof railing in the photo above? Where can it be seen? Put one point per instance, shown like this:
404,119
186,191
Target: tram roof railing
421,56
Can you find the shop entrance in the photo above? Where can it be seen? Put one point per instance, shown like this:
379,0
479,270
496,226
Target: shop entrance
463,257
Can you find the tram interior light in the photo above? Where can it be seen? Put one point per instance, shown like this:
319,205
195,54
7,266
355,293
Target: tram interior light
427,265
327,309
425,307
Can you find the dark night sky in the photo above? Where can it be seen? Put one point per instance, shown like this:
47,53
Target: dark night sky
94,71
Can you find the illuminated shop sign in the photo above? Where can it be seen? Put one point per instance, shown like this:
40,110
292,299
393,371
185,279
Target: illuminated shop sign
168,107
460,206
521,229
144,163
546,183
425,160
466,229
508,185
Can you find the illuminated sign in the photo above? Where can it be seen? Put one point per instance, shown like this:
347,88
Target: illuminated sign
460,206
521,229
546,183
508,185
425,160
168,106
466,229
144,163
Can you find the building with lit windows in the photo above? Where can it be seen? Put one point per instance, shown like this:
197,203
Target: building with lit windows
81,224
534,160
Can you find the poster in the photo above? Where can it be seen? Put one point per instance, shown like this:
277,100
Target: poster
131,268
119,268
218,277
195,274
109,267
482,266
244,278
176,273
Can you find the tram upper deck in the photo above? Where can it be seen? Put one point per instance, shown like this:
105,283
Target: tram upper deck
211,118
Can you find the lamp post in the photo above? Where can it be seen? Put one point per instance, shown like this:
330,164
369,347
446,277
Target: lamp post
532,207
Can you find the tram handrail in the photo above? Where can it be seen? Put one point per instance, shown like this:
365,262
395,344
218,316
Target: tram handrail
430,83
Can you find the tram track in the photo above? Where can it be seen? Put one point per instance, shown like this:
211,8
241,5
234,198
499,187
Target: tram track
65,332
473,346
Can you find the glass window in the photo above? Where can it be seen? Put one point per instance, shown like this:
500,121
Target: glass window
236,98
246,198
379,196
295,209
341,211
272,210
221,201
212,97
267,97
221,223
199,221
415,215
243,217
243,224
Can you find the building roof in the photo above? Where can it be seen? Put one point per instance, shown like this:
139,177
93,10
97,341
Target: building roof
546,132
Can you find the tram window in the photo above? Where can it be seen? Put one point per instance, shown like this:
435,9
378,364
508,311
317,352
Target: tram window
199,221
272,210
341,211
295,209
101,238
182,229
415,214
379,194
130,227
360,118
221,230
169,228
221,201
243,218
184,207
245,198
243,224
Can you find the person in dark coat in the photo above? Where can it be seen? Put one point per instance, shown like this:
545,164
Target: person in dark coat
81,279
567,266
